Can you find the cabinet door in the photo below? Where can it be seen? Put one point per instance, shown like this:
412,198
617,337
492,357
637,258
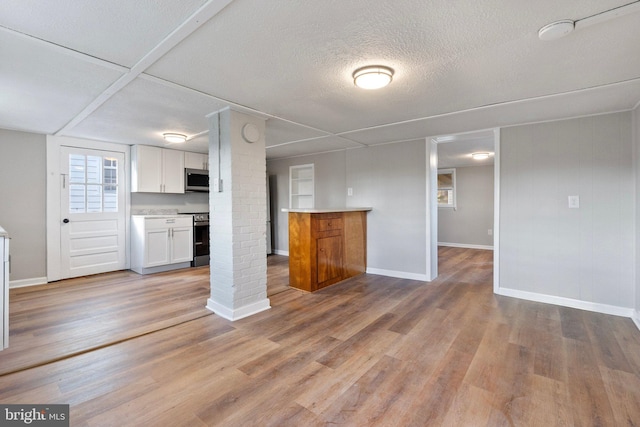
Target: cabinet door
329,258
196,160
181,244
146,170
157,249
173,171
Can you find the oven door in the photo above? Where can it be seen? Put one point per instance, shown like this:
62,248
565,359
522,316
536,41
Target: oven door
200,243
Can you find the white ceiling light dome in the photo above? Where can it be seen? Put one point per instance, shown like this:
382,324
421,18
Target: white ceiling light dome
480,156
176,138
373,76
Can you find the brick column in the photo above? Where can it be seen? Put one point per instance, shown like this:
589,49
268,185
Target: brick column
238,210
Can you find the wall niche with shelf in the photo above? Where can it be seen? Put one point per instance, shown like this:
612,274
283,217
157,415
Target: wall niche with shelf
301,187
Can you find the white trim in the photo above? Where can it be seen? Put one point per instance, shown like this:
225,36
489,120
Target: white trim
238,313
280,252
431,184
496,209
23,283
398,274
465,245
636,318
568,302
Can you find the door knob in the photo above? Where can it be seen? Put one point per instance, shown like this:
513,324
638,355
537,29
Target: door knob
66,220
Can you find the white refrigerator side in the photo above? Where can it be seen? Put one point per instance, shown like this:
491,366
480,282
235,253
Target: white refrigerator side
268,217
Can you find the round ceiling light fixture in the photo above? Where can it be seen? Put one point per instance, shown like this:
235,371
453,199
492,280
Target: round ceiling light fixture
480,156
556,30
174,137
372,77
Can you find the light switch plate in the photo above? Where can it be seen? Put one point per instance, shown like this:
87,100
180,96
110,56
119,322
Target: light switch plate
574,202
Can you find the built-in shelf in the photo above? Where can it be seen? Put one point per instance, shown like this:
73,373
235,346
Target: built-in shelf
301,187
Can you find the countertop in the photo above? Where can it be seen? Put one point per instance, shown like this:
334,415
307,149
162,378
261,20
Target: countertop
3,233
331,210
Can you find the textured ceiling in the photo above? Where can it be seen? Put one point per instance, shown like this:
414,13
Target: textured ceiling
127,71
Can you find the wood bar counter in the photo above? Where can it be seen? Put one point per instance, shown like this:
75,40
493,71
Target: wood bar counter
326,246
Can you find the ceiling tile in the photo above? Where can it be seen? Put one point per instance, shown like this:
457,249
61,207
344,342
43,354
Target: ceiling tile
619,97
319,145
119,31
43,86
280,131
144,110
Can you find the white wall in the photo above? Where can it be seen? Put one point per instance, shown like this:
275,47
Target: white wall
469,223
578,257
389,178
392,180
22,203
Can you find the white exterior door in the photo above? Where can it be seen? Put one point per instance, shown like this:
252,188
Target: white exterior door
92,212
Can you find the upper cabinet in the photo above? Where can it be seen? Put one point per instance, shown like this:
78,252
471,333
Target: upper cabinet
157,170
196,161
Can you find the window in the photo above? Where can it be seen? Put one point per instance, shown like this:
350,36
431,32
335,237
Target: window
93,184
447,188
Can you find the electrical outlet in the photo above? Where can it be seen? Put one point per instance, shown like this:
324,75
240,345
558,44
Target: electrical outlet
349,191
490,232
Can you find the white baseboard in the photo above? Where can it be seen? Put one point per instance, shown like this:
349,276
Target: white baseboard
397,274
466,246
568,302
636,318
238,313
280,252
27,282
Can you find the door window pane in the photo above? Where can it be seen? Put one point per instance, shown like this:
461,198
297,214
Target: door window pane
76,198
93,184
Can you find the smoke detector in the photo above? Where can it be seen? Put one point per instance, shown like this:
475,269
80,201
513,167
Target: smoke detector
556,30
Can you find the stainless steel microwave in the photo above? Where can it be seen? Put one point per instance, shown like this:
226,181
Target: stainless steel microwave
196,180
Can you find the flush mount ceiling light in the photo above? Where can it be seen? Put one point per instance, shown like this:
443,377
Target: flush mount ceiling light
480,156
174,137
372,77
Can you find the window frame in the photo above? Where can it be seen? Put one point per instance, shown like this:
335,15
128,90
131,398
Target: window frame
453,188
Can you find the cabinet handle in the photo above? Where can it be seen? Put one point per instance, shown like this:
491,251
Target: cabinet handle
329,224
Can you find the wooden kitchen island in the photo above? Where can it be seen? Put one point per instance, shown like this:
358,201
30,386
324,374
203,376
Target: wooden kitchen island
326,246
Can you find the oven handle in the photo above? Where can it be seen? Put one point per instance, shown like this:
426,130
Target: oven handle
200,223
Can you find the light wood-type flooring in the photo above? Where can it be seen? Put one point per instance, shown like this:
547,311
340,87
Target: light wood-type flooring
372,350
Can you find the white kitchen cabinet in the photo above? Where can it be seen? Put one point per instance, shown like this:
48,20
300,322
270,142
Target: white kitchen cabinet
4,289
156,170
196,161
161,243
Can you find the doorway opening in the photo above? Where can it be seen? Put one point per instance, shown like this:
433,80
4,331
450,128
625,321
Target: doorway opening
464,193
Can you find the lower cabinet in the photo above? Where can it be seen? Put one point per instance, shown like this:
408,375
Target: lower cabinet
326,248
161,243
